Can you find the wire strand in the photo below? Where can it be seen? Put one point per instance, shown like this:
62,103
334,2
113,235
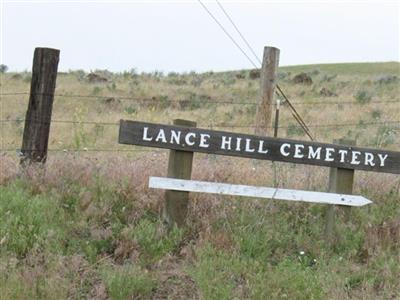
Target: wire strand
295,114
220,125
239,32
227,33
227,101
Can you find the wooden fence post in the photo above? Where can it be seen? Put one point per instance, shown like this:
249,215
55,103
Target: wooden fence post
340,182
38,117
179,166
269,74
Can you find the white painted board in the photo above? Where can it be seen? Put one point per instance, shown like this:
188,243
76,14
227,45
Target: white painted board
256,191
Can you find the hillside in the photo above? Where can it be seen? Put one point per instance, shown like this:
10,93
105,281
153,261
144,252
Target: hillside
87,227
372,90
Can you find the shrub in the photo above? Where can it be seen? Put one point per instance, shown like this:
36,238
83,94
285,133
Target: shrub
27,78
176,80
96,90
363,96
302,78
229,81
130,110
328,78
79,74
294,130
173,74
386,135
194,102
112,87
254,74
376,114
3,69
386,79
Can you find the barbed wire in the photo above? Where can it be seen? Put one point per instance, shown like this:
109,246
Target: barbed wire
139,99
317,125
239,32
220,125
41,121
228,101
84,149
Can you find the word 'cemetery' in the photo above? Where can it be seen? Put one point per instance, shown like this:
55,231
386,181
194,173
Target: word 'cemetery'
233,144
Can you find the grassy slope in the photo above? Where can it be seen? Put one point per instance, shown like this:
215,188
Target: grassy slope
349,68
88,227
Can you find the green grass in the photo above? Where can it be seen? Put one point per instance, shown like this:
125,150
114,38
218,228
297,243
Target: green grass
123,282
29,223
248,252
154,240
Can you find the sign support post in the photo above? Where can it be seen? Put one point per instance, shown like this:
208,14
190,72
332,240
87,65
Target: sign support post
341,182
179,166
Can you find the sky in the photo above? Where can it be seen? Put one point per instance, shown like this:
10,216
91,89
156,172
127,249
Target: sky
181,36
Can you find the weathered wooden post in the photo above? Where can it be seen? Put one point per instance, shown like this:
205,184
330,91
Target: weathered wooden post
269,74
340,182
38,117
179,166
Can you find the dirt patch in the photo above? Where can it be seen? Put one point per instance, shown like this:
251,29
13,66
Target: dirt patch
174,282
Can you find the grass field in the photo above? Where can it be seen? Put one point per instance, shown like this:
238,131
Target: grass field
88,227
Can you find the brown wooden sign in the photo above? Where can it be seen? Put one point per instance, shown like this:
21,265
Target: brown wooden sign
257,147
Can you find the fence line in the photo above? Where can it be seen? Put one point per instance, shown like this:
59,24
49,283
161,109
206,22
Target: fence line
84,149
221,125
228,101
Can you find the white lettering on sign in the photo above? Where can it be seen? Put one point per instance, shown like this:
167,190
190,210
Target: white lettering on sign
161,136
259,146
316,154
238,141
343,154
203,140
283,151
226,143
328,154
187,138
145,137
175,136
369,159
297,151
354,157
382,158
247,148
